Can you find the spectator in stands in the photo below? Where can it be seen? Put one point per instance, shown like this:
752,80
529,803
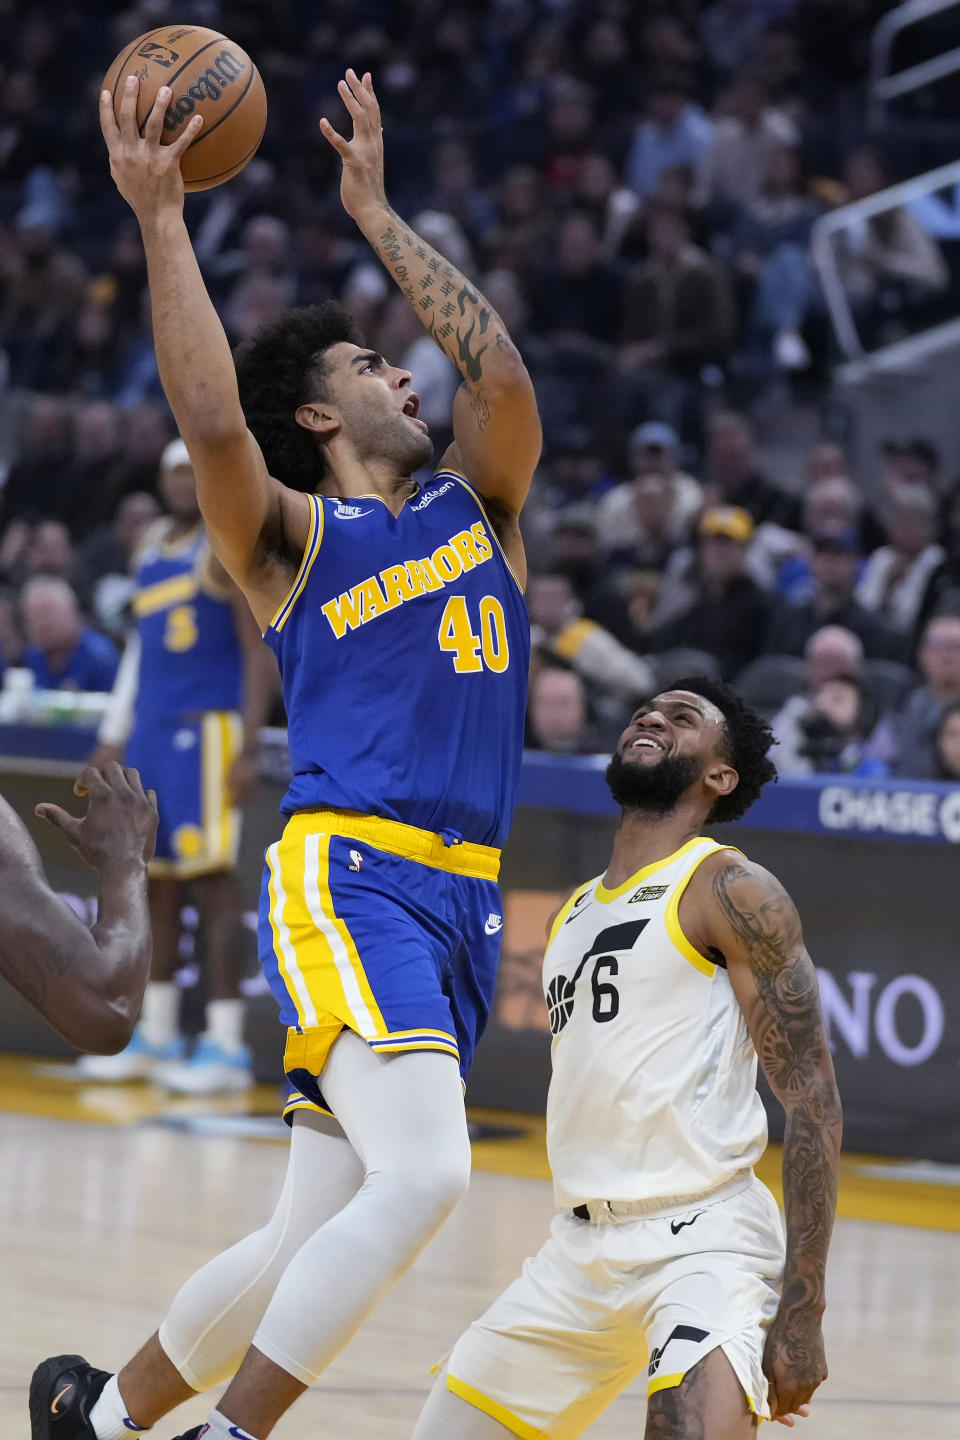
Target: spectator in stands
942,594
914,461
834,562
577,297
735,168
939,662
522,227
652,450
727,612
769,241
612,206
946,765
615,677
831,653
837,732
887,263
895,578
557,714
733,475
62,652
675,132
678,306
40,481
43,300
147,429
96,448
50,551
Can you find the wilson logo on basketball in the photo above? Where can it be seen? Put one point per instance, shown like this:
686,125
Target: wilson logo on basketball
209,85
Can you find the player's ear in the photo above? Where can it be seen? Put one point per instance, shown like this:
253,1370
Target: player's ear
721,779
318,417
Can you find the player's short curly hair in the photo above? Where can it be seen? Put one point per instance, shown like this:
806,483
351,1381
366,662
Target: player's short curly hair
748,738
281,368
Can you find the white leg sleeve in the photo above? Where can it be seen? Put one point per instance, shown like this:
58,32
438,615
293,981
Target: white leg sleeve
404,1116
446,1417
214,1316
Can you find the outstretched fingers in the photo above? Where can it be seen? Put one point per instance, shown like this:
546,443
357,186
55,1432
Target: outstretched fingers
341,146
108,120
129,129
153,129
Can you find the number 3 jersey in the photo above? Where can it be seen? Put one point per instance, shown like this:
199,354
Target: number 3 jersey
403,646
653,1095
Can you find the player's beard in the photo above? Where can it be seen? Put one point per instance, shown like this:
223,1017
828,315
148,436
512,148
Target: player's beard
390,438
653,789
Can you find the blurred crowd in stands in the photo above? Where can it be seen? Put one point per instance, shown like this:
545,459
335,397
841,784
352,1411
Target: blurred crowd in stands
634,186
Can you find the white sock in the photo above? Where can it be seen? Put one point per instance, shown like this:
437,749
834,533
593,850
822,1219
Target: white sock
218,1427
109,1416
225,1023
160,1013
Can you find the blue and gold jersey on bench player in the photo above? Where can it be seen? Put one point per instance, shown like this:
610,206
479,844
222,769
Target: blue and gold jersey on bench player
189,657
187,731
403,646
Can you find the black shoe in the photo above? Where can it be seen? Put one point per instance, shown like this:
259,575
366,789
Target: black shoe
190,1434
63,1391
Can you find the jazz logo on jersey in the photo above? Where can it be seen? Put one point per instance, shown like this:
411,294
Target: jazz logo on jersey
561,991
400,583
647,892
356,861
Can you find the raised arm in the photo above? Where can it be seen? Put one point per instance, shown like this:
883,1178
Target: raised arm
257,526
88,984
496,425
756,926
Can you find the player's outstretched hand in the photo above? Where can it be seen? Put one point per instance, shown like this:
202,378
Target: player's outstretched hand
794,1362
361,183
120,825
146,173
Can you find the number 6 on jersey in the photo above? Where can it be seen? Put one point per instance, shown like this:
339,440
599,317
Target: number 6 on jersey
457,636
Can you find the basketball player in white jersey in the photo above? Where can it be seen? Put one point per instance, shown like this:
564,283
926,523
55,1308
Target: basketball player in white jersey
665,978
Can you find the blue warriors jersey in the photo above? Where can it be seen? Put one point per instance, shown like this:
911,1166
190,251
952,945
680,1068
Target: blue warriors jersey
190,658
403,647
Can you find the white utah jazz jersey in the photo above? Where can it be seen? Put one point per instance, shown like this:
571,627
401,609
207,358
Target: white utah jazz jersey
653,1095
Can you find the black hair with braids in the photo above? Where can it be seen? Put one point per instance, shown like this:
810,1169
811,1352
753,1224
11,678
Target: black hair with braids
281,368
748,737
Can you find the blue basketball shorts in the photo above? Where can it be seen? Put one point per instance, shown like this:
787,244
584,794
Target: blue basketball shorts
188,764
381,928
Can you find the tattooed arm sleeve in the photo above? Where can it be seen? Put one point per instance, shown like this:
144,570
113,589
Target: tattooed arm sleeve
756,926
495,419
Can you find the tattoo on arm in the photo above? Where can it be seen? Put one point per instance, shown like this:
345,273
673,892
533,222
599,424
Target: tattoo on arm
472,334
787,1028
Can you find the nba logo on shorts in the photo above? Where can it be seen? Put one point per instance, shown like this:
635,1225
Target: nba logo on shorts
356,861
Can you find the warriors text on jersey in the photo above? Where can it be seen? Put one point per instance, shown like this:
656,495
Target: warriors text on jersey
653,1095
403,648
190,660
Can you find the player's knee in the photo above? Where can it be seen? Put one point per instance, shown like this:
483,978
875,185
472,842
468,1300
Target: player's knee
429,1187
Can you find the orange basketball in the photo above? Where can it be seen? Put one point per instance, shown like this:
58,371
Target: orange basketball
208,75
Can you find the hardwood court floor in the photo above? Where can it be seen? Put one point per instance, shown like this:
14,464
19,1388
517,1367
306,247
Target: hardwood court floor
100,1222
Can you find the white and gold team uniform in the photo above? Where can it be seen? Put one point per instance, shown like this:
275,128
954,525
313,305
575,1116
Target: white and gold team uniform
654,1123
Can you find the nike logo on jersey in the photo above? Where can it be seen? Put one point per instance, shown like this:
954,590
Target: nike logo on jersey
494,923
350,512
57,1398
677,1225
578,907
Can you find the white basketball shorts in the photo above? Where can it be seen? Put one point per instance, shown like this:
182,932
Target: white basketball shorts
568,1336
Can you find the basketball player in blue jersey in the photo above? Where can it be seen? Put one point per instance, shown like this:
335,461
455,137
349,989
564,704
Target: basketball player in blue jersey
193,691
398,621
